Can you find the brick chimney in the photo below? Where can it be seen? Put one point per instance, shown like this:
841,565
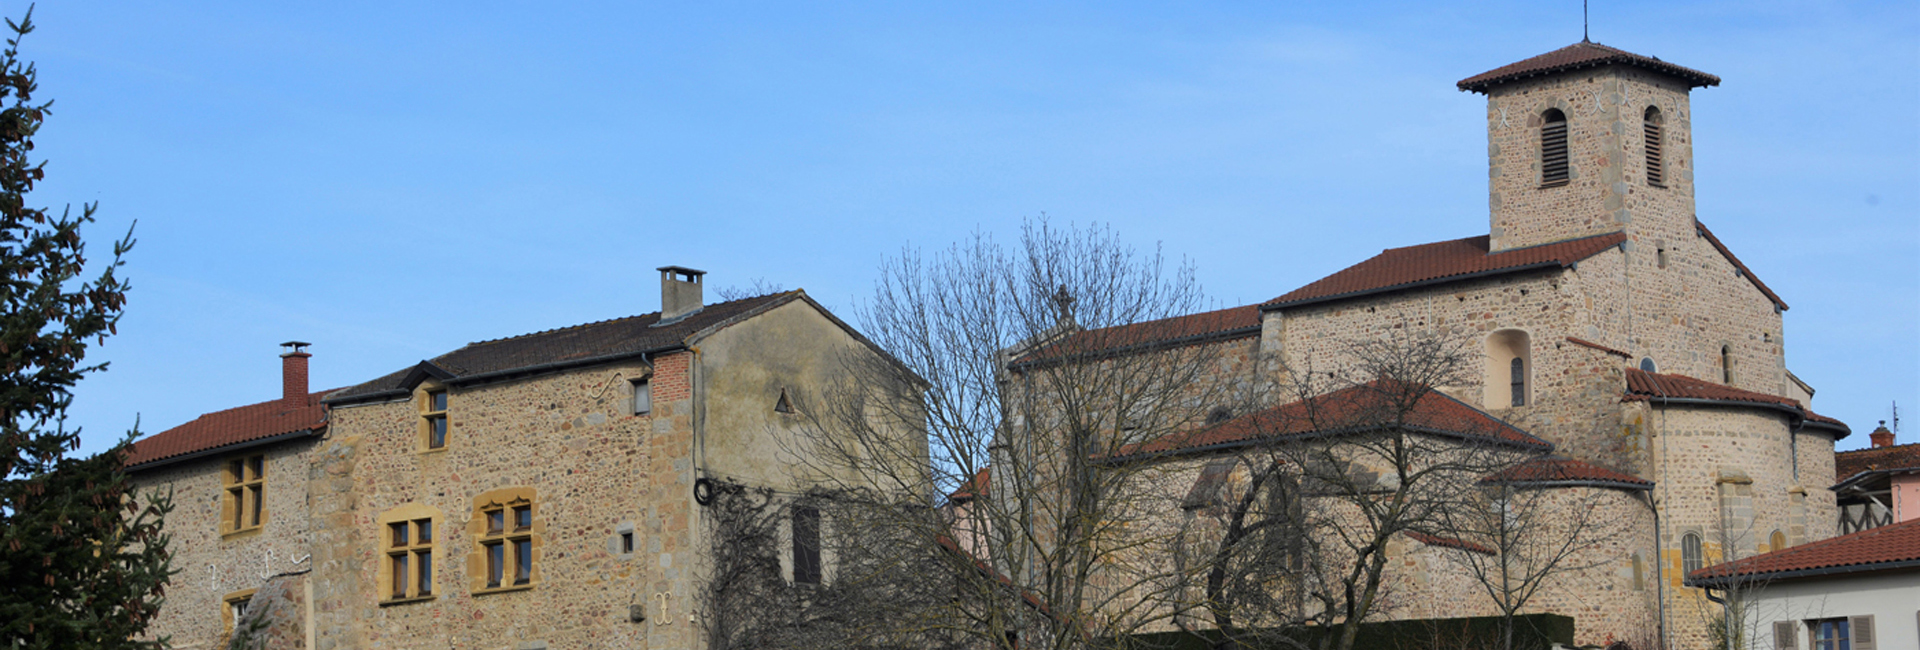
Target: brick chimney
293,373
1881,437
680,289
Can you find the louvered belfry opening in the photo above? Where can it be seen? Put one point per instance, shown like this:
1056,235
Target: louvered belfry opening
1553,149
1656,166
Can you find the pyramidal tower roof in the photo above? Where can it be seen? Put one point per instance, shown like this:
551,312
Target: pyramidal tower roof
1584,54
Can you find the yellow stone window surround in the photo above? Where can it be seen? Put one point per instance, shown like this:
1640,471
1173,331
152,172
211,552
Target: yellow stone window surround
410,537
508,532
243,506
433,399
232,607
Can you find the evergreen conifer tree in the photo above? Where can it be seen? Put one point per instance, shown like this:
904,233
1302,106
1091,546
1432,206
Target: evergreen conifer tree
83,561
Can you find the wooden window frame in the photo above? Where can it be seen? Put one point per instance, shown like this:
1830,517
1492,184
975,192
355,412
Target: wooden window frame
409,559
435,403
243,507
511,550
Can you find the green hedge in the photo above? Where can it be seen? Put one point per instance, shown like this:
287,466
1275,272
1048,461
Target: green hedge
1531,632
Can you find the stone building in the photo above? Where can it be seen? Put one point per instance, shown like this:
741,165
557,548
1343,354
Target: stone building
1607,320
542,490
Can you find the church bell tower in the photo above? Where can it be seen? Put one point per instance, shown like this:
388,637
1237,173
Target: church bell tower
1588,140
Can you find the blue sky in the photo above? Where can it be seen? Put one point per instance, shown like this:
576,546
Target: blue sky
393,180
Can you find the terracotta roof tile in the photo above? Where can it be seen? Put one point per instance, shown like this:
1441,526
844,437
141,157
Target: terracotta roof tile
1554,470
1228,323
231,427
1848,464
1894,545
1584,54
1649,386
1358,408
977,486
1447,261
579,343
1744,271
1643,385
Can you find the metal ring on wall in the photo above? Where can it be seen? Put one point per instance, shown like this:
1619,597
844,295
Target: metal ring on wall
703,491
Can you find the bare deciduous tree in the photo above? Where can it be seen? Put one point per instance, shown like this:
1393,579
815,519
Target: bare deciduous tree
1029,367
1364,453
1539,530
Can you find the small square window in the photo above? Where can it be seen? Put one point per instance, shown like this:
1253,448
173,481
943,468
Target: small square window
626,542
642,397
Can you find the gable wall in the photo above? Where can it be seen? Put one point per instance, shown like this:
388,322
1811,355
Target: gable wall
211,566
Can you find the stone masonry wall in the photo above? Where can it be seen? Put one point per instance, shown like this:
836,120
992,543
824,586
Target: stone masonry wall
1608,189
594,469
1725,475
211,566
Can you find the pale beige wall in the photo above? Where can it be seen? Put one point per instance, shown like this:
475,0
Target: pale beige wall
211,566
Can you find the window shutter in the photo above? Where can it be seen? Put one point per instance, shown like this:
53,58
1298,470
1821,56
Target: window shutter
1783,636
1656,169
1553,153
1862,631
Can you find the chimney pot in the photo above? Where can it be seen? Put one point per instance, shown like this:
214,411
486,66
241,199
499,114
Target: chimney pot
293,373
1881,437
680,292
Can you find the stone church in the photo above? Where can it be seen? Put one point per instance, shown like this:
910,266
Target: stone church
1612,328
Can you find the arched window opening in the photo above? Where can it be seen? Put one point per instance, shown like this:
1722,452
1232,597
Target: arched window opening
1692,557
1646,364
1509,366
1656,167
1726,365
1517,381
1776,541
1553,149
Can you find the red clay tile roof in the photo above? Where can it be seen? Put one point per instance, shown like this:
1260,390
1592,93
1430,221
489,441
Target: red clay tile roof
1557,471
1643,385
973,487
1366,407
1823,422
1449,542
1447,261
1232,322
580,344
1590,344
1648,386
1744,271
1584,54
231,427
1848,464
1887,547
